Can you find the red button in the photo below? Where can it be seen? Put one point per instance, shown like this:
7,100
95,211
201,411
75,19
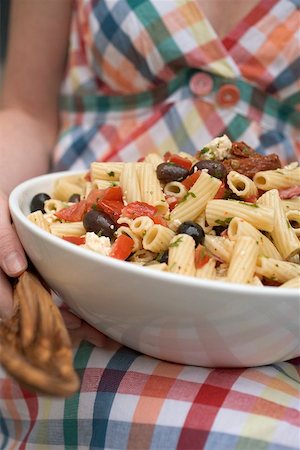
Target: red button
228,95
201,84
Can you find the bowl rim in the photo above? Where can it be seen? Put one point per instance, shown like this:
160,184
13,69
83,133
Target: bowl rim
211,285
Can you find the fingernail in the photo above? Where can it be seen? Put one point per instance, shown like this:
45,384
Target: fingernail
14,263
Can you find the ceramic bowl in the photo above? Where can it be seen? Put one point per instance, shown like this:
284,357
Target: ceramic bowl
171,317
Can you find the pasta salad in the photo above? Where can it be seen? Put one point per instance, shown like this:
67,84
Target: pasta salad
227,213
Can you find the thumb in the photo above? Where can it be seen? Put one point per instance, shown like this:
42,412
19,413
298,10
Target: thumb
12,257
6,297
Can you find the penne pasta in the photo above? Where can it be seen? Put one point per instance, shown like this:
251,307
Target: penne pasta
273,269
67,229
243,261
277,179
63,189
293,216
129,183
221,212
219,246
292,203
241,185
154,159
52,205
240,227
175,189
283,235
151,189
292,283
110,171
141,225
157,238
182,255
194,202
208,271
38,218
105,184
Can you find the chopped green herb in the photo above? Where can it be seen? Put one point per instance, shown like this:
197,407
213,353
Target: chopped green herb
253,205
245,150
112,183
94,207
203,252
187,195
111,173
176,243
159,256
225,222
204,150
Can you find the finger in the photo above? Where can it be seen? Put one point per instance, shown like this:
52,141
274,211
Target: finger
6,299
72,322
12,258
88,333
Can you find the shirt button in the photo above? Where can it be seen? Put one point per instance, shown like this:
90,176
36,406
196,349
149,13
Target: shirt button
228,95
201,84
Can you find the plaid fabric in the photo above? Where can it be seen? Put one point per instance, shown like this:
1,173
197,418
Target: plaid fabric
127,92
131,401
127,86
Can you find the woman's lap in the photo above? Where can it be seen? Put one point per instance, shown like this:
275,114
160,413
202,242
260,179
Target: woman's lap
129,400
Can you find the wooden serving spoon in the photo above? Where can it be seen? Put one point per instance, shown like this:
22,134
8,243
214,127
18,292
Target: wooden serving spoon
35,347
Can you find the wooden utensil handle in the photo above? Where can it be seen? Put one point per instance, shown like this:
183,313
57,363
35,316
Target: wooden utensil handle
35,347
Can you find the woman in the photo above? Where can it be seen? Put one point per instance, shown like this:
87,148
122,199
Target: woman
145,76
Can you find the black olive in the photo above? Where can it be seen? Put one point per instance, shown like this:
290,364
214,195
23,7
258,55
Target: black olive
192,229
230,195
163,257
37,202
75,198
167,172
100,223
214,168
219,229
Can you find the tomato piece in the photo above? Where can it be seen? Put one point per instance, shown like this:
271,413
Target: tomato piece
251,199
73,213
94,196
179,160
112,207
87,176
159,220
113,193
78,240
201,256
172,201
189,181
221,191
122,247
138,209
167,156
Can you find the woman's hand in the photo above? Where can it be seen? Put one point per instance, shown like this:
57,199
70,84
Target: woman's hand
12,258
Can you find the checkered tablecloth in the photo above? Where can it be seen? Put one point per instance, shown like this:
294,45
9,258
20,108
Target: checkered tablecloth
132,401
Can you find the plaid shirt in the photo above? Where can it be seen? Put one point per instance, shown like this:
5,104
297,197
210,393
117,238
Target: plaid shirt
129,90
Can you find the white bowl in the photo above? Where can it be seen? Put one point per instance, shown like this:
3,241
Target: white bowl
171,317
